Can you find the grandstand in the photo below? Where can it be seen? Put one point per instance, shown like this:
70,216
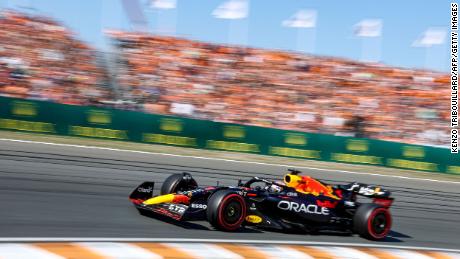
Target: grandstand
282,90
41,59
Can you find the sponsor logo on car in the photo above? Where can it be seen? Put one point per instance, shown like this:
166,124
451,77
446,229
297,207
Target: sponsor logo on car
326,203
176,208
370,190
198,206
253,219
309,209
146,190
366,190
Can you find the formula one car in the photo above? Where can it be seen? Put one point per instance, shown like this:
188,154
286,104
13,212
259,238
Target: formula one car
298,203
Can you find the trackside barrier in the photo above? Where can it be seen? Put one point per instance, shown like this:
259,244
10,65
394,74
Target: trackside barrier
95,122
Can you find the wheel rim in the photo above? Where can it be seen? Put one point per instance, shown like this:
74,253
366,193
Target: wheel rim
232,212
379,224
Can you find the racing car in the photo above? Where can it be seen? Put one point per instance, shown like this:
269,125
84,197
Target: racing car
298,202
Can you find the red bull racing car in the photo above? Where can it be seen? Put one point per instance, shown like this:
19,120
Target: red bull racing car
297,203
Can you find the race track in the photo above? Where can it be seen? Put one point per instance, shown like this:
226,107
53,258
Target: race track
59,191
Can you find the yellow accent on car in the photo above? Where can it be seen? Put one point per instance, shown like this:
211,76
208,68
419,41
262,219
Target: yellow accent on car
253,219
159,199
292,180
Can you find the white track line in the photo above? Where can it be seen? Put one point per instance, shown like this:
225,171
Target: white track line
119,250
274,252
452,255
198,240
407,254
345,252
204,251
15,251
227,160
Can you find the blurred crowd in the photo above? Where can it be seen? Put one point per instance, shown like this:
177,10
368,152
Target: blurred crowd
40,59
283,90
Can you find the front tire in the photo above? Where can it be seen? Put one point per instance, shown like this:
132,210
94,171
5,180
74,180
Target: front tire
372,221
226,210
178,182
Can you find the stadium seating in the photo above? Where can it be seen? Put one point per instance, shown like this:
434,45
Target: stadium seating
41,59
284,90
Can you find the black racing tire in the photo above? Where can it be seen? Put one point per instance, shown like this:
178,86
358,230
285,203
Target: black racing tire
372,221
226,210
178,182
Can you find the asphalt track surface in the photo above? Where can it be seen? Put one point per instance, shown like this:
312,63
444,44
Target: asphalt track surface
56,191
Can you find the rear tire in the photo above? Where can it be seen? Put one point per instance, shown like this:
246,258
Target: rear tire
372,221
226,210
178,182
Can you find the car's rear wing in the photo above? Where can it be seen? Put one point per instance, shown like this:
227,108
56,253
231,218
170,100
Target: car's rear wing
385,202
379,195
371,191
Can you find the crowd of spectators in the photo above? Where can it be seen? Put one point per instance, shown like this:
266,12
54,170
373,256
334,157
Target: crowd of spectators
279,89
41,59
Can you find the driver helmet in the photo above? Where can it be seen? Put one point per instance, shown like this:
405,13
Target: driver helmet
276,187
